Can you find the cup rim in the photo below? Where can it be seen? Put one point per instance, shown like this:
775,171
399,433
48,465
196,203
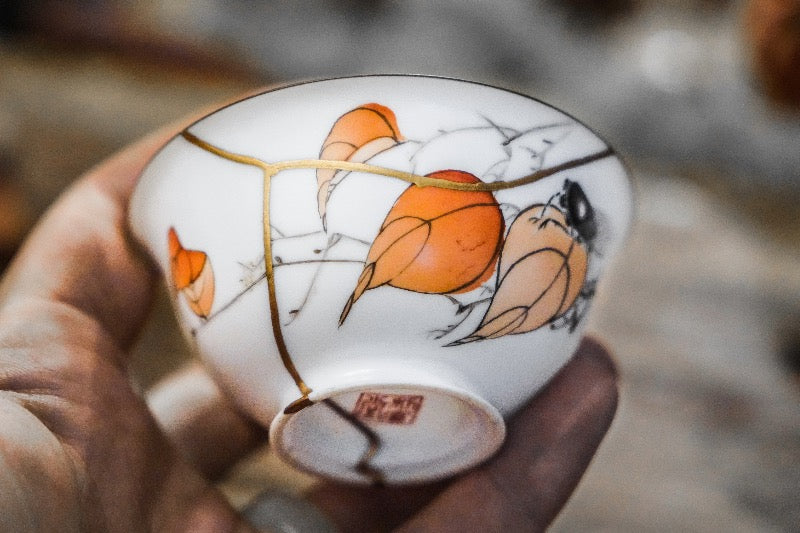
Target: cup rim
309,81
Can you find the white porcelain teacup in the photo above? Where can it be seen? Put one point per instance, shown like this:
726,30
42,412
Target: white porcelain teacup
433,247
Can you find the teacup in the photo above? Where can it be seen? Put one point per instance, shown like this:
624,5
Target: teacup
432,249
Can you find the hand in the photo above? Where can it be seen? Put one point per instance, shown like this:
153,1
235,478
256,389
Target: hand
81,451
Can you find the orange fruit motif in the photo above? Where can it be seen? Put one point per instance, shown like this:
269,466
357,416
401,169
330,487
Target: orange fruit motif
541,272
435,241
191,275
356,136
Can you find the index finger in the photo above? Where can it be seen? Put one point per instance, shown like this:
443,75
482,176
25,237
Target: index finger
80,253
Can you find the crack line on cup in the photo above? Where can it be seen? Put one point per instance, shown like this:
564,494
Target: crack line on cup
363,466
271,169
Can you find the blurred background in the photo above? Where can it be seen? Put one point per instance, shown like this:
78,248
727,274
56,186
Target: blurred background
702,98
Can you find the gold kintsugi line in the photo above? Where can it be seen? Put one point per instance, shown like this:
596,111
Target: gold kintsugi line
270,169
363,466
280,342
244,159
421,181
303,401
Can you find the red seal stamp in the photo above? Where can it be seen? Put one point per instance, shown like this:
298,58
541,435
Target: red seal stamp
399,409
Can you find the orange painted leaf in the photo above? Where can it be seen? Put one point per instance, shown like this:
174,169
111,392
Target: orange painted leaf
191,275
434,241
356,136
541,272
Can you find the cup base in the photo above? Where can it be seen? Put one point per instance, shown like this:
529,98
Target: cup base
393,434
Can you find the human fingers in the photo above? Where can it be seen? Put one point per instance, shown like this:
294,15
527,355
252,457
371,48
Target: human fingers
550,443
87,442
356,509
549,446
200,421
79,255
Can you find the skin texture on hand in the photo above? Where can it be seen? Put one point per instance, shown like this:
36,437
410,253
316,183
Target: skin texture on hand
81,451
87,454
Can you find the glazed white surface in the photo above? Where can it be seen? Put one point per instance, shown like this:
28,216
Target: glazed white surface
216,205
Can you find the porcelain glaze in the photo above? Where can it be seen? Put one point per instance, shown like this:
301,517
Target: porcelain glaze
433,247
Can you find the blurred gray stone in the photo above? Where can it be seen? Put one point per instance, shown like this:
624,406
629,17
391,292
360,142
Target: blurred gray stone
280,513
